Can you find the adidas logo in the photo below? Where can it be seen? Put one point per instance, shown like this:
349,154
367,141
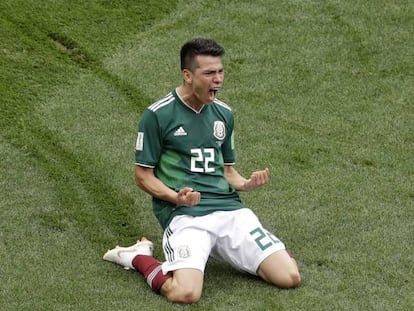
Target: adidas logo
180,132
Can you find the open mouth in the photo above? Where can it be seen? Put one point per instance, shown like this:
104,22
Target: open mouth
213,92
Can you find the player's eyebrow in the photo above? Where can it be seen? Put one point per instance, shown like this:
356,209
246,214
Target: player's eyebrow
213,70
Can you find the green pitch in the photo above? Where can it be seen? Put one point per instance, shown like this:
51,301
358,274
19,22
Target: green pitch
323,96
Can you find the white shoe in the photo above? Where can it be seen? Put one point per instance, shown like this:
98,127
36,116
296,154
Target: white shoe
124,255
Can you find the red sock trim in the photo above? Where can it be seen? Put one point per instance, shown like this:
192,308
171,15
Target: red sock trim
151,270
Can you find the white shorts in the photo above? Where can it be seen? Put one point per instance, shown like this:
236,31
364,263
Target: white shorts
236,237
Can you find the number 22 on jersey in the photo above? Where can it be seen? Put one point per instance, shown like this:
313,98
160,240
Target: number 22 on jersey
200,160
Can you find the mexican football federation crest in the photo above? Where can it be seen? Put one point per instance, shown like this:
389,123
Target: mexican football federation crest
219,130
184,252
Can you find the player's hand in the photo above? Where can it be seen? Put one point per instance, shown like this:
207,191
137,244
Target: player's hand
257,179
188,197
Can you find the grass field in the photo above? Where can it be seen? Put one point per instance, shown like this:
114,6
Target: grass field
323,96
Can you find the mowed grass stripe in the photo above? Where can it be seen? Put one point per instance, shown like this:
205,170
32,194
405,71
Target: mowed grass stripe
44,61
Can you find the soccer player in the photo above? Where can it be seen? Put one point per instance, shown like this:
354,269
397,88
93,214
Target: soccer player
185,160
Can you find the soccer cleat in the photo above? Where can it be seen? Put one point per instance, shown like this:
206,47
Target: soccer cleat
124,255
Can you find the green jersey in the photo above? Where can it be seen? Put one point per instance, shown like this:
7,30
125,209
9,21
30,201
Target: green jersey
187,148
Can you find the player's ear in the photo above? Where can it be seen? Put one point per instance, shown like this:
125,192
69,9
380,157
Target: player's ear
187,76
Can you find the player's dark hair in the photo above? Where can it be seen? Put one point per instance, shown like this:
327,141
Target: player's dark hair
198,46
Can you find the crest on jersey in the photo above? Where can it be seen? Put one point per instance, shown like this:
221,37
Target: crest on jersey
219,130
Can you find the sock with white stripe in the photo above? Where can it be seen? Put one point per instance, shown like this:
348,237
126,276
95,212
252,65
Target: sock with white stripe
151,270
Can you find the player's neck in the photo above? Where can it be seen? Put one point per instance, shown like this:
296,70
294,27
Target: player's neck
187,96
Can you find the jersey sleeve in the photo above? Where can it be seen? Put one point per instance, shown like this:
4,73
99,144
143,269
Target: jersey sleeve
148,144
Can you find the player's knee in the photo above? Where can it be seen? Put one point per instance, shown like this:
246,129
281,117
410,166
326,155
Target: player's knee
291,280
185,295
191,297
295,279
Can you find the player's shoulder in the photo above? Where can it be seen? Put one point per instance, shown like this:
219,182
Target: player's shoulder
162,103
222,105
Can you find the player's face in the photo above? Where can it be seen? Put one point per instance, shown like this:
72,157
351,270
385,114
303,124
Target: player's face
206,80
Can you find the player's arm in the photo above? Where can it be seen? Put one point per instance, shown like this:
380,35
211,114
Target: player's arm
238,182
147,181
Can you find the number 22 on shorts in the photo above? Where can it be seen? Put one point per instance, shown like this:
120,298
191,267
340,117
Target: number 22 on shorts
264,238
